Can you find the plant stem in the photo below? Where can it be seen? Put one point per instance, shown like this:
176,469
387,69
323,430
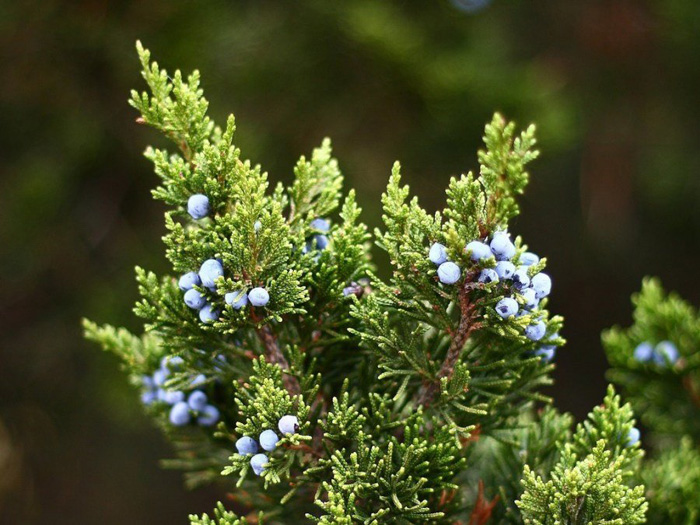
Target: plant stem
274,355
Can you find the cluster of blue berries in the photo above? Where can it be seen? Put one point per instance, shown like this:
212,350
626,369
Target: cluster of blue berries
198,206
268,441
530,289
661,354
318,241
181,404
207,276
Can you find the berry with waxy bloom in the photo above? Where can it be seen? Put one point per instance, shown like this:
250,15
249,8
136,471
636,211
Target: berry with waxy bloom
437,253
507,307
189,280
288,424
257,463
268,440
180,414
258,296
246,445
449,273
198,206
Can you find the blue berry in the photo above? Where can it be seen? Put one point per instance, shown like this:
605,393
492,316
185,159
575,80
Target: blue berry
258,297
210,271
189,280
236,300
507,307
535,331
198,380
478,250
148,397
505,269
437,253
257,462
528,259
546,352
246,445
531,300
172,362
160,376
198,206
288,424
172,397
268,440
644,352
664,351
208,416
208,314
449,273
542,284
147,382
197,400
521,279
194,299
180,414
321,241
321,225
633,437
502,247
257,226
353,289
488,275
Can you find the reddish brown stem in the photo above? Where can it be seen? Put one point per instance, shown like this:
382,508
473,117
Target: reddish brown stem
464,329
274,355
482,508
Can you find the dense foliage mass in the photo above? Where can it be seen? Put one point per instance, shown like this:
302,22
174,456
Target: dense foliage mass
280,365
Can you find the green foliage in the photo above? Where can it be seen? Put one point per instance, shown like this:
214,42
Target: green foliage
673,484
667,398
589,482
416,402
223,517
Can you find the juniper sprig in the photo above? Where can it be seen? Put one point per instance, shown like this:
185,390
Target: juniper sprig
280,365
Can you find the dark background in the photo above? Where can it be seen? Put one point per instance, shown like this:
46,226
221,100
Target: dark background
613,86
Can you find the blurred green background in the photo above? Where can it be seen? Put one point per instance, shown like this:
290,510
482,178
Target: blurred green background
613,86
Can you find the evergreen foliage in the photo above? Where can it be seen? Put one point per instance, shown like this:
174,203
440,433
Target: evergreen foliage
416,399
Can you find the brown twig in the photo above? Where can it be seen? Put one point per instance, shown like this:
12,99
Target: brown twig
692,391
459,338
274,355
482,508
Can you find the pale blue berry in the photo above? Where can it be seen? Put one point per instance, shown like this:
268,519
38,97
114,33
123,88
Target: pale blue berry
257,226
173,362
502,247
180,414
531,300
528,259
288,424
644,352
542,284
197,400
449,273
210,271
437,253
208,416
236,300
546,352
321,241
633,437
198,206
488,275
258,296
505,269
321,225
268,440
257,462
507,307
478,250
246,445
160,376
521,279
665,352
172,397
208,314
147,382
189,280
198,380
353,289
148,397
194,299
535,331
